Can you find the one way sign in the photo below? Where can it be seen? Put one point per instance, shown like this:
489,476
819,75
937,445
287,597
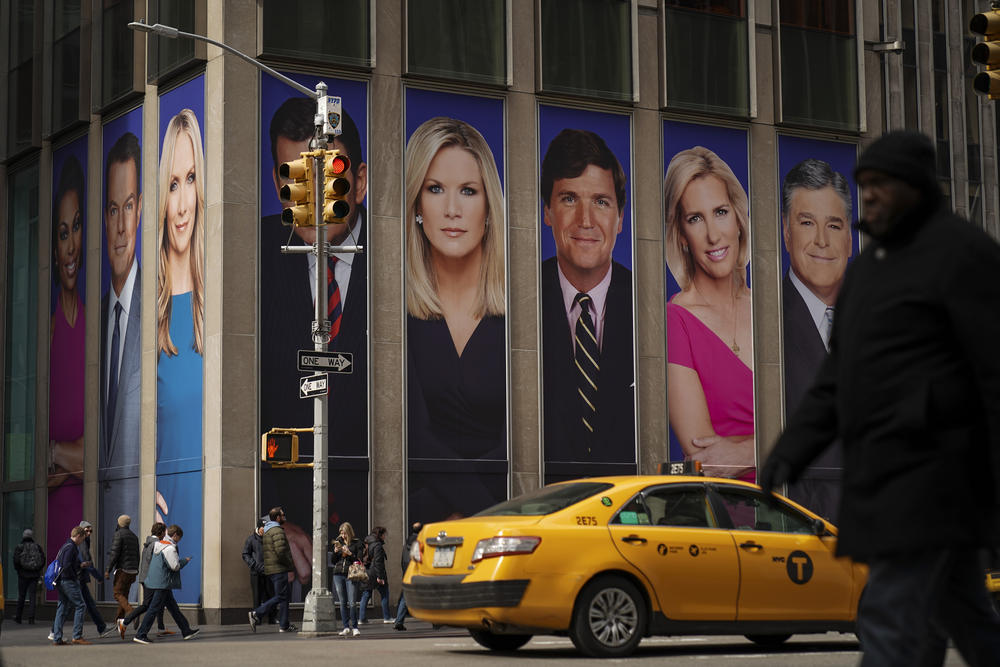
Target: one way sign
331,362
313,385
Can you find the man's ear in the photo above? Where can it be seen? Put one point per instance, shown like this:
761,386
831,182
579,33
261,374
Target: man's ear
784,231
277,183
360,183
138,213
621,221
547,216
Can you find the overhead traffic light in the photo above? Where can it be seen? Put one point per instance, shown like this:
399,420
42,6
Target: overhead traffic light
335,205
279,446
299,191
987,52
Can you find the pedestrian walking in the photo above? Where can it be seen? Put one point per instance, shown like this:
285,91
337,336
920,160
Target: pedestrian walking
260,583
378,576
911,387
68,586
163,577
404,560
123,562
85,571
156,533
347,549
29,561
278,563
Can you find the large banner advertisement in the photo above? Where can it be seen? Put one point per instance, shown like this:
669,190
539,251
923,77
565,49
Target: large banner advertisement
120,328
588,351
709,314
817,211
287,283
180,321
455,237
67,352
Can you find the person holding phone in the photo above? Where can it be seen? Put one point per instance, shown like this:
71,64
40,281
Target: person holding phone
163,577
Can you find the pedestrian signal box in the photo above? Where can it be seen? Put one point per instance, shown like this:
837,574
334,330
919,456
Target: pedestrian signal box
279,446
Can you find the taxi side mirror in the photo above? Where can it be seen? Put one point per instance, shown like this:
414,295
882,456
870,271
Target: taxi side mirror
818,527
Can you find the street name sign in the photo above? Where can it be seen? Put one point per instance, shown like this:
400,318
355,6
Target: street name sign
330,362
312,386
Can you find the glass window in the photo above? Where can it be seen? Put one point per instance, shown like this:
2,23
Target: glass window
819,65
942,120
66,59
457,39
21,328
686,506
18,514
587,47
706,56
117,50
20,75
747,510
547,499
303,30
168,56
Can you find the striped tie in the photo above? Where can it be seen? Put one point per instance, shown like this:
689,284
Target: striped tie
588,362
333,310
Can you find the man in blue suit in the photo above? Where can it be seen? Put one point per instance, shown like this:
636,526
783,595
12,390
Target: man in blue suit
118,464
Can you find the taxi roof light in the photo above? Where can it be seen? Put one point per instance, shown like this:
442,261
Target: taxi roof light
681,468
504,546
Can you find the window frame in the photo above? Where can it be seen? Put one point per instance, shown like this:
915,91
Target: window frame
285,62
196,61
49,131
7,152
98,104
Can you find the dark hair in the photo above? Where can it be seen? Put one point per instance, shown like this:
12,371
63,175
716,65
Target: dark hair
379,532
175,531
159,529
569,155
294,120
813,174
125,149
275,513
70,180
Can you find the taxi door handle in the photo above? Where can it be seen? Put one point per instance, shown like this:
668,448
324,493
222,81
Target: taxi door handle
631,539
751,545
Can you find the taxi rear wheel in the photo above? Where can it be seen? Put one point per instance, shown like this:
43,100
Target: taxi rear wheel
768,640
496,642
609,619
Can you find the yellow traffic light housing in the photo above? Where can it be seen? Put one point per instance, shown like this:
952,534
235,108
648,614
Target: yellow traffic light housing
299,191
987,53
279,446
335,205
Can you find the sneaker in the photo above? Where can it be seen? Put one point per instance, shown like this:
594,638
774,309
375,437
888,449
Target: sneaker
388,620
165,633
290,628
141,640
82,641
52,637
60,642
355,632
253,621
399,626
345,632
192,634
121,628
108,631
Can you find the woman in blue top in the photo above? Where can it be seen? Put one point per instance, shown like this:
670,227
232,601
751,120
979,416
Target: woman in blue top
180,328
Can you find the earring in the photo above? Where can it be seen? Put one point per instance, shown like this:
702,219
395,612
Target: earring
684,248
486,223
420,219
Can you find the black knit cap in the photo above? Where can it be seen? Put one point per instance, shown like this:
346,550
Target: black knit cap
907,155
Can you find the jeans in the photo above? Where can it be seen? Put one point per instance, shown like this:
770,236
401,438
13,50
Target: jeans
347,592
163,597
27,587
95,615
123,582
383,590
280,583
401,610
69,596
260,586
147,598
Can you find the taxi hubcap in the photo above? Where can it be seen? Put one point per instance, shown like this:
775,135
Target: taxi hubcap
613,617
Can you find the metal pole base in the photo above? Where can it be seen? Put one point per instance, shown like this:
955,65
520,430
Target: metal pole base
318,616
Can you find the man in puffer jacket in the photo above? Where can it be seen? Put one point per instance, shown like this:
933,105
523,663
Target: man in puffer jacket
163,577
277,564
123,560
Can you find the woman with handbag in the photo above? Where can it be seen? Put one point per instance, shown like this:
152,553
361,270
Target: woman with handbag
349,576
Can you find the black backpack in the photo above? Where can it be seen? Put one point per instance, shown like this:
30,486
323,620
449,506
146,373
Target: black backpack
32,558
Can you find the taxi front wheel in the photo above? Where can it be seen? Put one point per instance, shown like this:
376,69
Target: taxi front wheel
496,642
609,619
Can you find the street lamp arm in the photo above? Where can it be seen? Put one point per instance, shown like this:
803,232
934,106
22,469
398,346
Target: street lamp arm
173,33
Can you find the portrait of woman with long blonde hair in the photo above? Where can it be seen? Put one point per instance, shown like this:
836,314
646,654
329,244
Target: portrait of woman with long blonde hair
709,333
455,294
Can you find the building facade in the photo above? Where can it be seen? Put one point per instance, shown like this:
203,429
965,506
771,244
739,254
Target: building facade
505,155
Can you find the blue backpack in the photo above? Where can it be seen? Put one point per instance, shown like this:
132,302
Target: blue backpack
52,573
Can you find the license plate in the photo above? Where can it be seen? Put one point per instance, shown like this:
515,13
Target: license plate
444,556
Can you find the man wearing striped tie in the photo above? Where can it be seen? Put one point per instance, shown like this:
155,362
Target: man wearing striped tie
816,210
587,312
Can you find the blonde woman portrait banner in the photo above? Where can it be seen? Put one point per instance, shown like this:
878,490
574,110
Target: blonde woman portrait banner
180,317
456,232
588,350
709,314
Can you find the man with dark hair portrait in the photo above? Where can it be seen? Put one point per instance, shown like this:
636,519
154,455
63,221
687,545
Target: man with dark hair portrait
587,306
816,211
118,426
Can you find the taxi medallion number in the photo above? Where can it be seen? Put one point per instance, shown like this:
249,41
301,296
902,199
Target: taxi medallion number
444,556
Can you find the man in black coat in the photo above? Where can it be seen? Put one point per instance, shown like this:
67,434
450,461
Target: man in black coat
253,556
404,561
29,562
123,560
912,388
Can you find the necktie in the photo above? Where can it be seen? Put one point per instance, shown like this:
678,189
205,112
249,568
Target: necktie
109,415
333,310
588,362
827,326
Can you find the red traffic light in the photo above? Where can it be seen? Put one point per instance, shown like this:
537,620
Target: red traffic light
339,165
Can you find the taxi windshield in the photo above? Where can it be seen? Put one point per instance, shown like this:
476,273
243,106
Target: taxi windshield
546,500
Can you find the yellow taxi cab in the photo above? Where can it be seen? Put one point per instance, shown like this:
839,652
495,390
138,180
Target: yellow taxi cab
610,560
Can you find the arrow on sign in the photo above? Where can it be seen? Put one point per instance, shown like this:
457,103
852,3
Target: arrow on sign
313,385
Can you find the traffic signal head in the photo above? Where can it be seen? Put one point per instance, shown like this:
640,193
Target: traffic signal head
336,188
987,53
279,447
299,191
